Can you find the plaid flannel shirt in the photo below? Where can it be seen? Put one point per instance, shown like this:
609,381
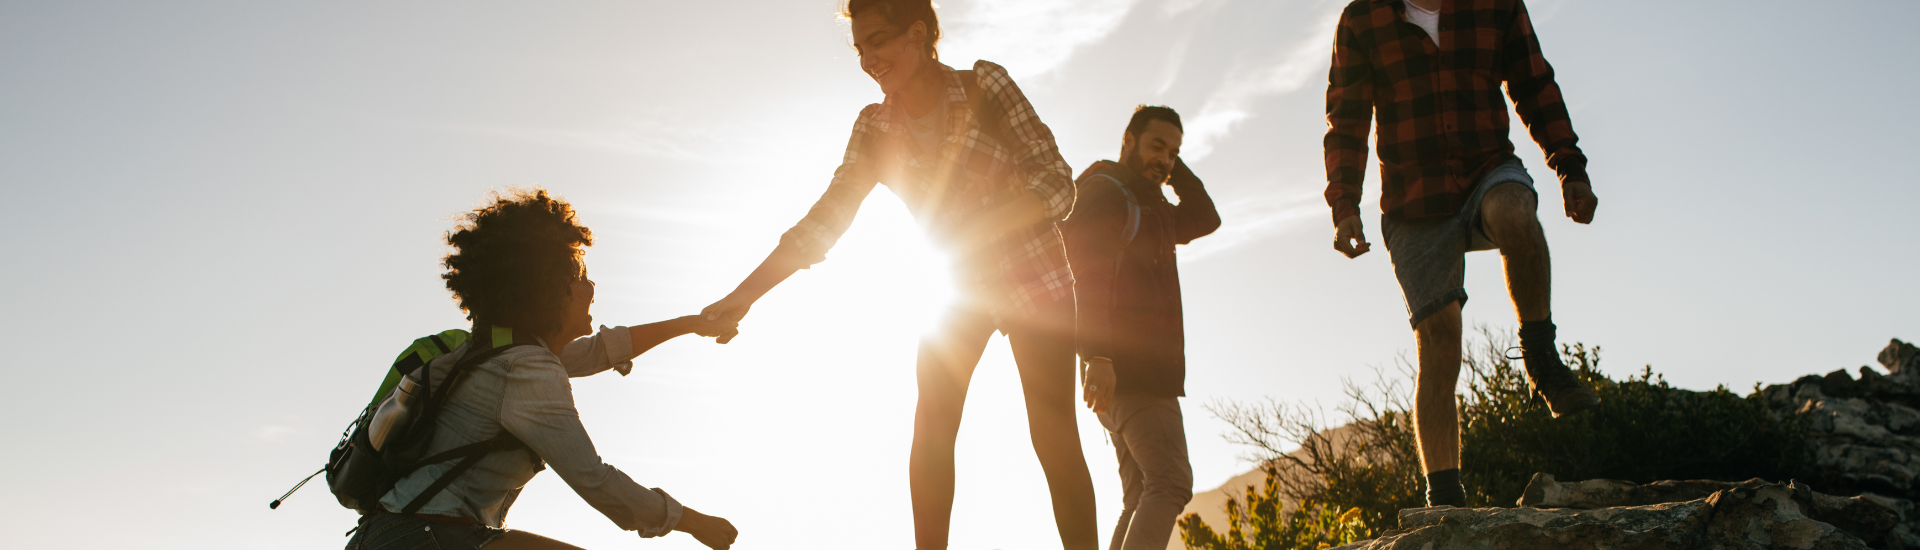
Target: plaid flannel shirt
1443,123
1016,272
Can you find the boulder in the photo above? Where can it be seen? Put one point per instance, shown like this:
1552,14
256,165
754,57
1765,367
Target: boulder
1876,520
1865,432
1900,357
1766,516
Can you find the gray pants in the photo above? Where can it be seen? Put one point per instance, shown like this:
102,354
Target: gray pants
1151,440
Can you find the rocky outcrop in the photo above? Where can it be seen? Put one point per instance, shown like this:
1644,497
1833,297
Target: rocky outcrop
1762,516
1878,521
1900,357
1865,431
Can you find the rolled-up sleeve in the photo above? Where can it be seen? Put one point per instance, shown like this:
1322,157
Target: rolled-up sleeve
815,234
610,348
1048,176
537,407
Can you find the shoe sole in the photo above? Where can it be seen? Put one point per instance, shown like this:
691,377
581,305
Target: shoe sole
1573,407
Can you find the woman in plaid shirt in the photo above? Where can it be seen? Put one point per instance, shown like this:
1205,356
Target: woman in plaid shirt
966,153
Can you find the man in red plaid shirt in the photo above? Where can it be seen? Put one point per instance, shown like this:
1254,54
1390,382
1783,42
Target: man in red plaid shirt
1431,72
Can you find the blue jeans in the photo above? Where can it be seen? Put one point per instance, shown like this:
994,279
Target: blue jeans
404,532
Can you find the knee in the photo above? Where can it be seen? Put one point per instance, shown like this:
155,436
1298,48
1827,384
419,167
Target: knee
1509,206
1174,494
1440,327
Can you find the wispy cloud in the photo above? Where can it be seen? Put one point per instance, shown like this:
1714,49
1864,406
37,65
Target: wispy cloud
1031,37
1254,217
1233,102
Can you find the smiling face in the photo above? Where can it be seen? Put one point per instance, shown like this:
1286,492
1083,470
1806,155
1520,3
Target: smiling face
1152,152
889,53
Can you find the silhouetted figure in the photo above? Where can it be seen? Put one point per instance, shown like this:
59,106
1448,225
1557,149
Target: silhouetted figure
973,162
517,271
1132,338
1432,71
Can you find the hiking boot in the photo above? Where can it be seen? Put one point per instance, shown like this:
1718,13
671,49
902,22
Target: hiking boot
1554,382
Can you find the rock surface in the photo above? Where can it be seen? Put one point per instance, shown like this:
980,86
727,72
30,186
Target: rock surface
1866,431
1763,516
1876,520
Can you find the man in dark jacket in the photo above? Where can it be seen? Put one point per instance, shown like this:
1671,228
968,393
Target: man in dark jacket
1120,241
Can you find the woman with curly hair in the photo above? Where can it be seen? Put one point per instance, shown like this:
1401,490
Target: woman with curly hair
970,158
517,272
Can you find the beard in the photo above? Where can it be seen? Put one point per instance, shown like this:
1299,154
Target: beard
1156,171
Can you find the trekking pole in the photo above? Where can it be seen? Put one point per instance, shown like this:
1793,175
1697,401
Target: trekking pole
275,505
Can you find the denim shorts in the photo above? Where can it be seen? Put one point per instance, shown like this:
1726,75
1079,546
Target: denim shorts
404,532
1429,254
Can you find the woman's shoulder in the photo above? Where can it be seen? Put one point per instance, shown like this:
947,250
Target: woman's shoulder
985,67
991,75
529,359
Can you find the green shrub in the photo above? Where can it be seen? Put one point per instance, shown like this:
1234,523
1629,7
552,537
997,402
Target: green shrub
1643,431
1265,523
1368,470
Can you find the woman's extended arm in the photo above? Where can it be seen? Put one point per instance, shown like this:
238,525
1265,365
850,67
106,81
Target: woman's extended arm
646,336
614,348
779,265
808,241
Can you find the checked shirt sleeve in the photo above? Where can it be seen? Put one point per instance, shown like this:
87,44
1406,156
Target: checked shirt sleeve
1537,99
1048,175
1349,116
815,234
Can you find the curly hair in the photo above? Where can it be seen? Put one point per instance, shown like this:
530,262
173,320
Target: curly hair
514,260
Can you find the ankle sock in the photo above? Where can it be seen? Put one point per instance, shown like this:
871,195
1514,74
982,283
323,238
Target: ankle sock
1538,337
1444,489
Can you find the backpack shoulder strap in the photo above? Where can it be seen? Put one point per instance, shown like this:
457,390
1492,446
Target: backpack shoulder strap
472,452
1133,212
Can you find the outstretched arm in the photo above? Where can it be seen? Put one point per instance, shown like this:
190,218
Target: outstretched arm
809,240
614,348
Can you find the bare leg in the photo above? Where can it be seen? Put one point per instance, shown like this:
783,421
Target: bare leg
945,368
522,540
1046,359
1507,215
1436,421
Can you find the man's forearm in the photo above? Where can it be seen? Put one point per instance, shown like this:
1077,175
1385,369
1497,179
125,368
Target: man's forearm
1195,216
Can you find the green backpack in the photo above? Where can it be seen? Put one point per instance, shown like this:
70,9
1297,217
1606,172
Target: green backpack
360,469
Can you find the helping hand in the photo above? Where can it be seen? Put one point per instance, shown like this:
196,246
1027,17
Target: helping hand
712,329
716,533
1349,229
1098,390
730,309
1580,201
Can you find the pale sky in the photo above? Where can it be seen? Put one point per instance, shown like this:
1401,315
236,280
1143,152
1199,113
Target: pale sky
224,219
